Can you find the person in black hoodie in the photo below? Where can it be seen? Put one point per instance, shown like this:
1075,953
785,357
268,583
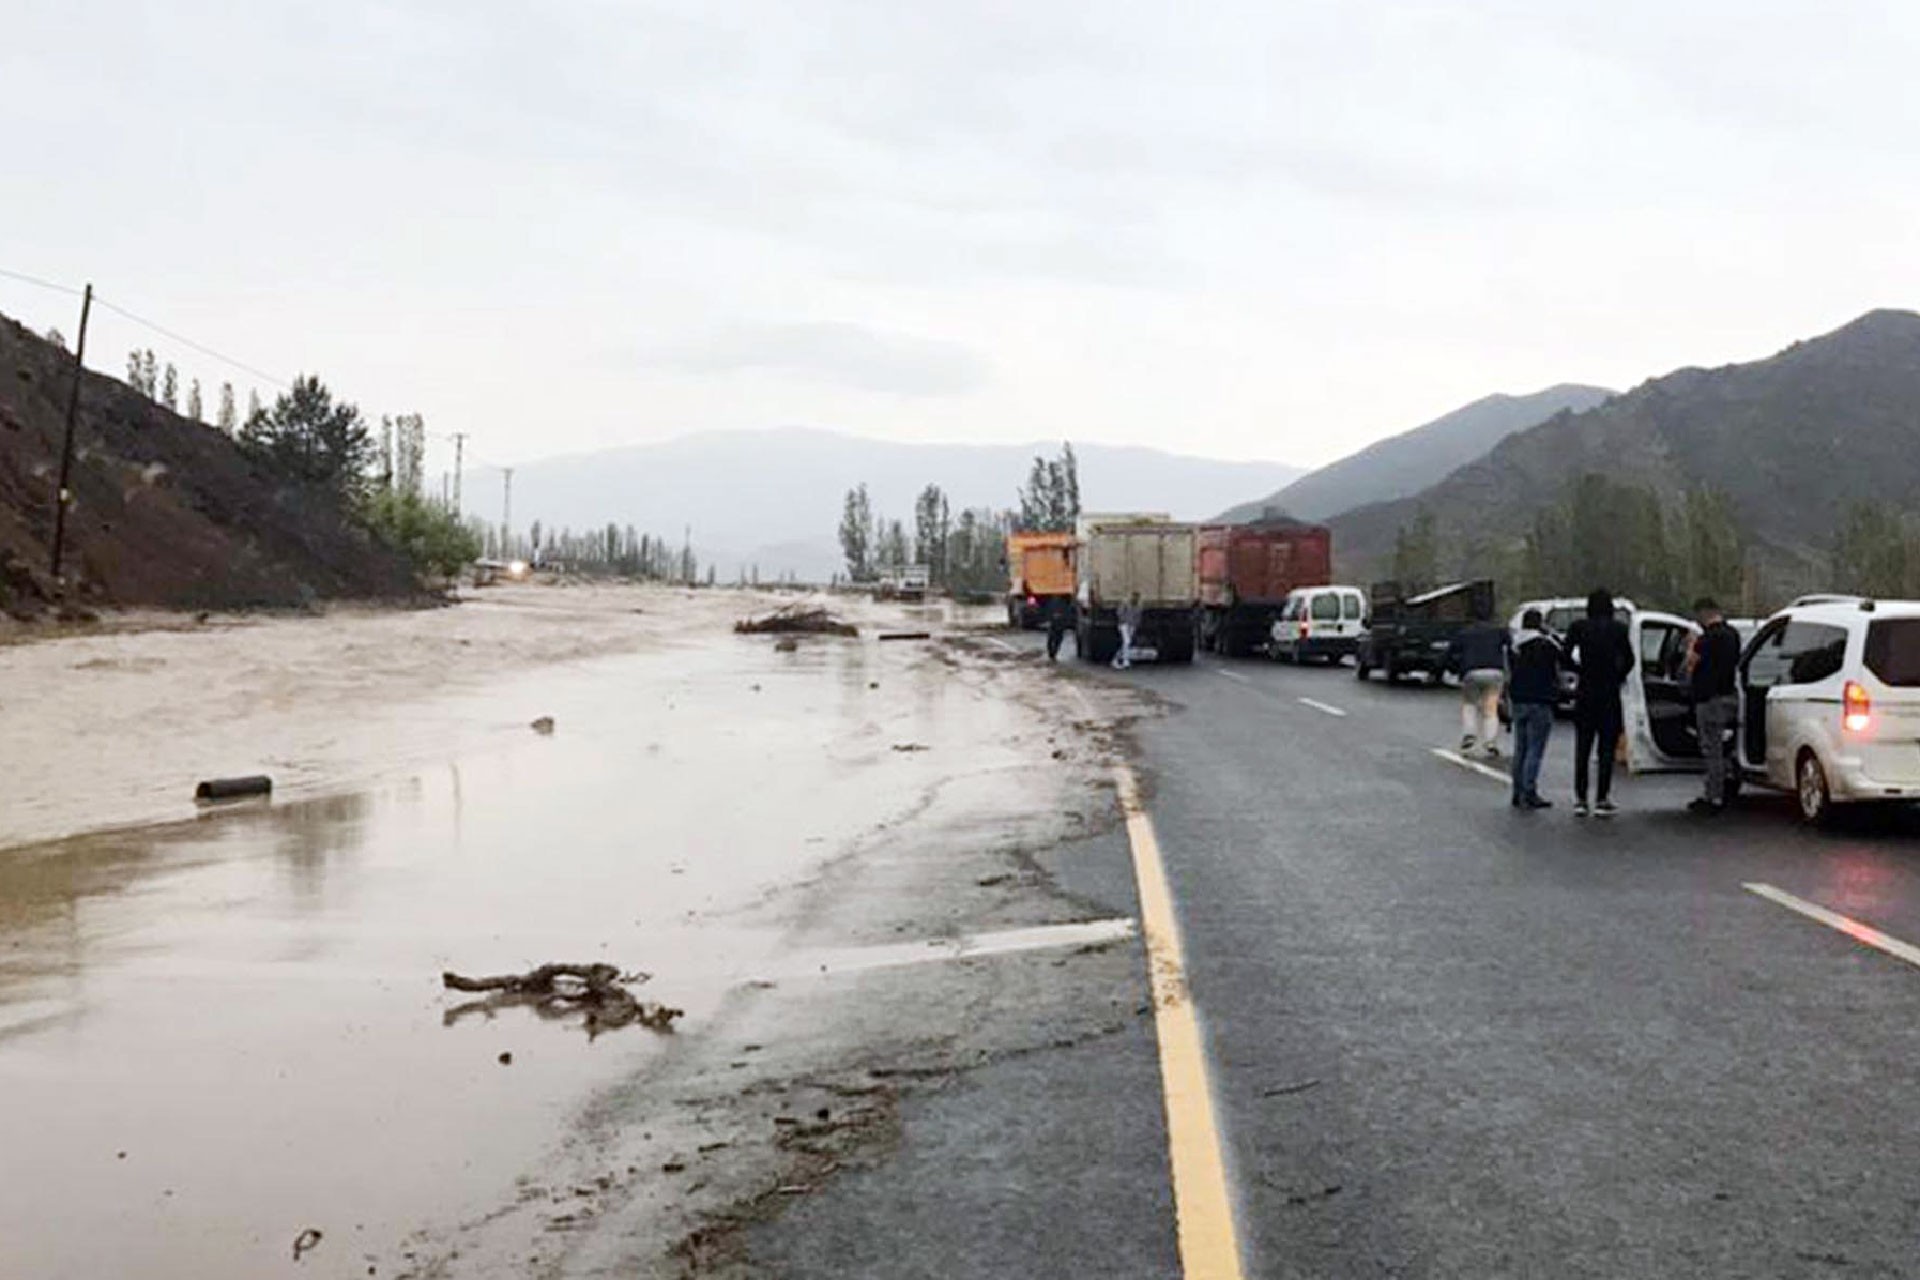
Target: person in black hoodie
1533,688
1716,701
1601,654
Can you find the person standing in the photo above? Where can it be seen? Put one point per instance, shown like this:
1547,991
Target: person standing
1716,703
1481,657
1601,654
1059,620
1130,616
1533,688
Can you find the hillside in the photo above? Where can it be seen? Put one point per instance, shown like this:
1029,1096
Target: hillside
1792,441
1407,463
167,512
772,498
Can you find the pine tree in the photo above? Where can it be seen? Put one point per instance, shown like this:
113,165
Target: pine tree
57,338
136,372
228,420
195,408
149,375
253,404
170,390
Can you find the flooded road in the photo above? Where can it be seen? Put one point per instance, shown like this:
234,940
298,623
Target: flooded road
219,1033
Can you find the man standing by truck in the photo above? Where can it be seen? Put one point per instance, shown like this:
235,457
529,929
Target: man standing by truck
1059,621
1716,702
1130,615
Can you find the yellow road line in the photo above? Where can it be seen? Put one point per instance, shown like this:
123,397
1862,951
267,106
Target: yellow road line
1202,1202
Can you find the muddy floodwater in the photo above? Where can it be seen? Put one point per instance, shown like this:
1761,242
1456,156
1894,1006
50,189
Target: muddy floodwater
219,1032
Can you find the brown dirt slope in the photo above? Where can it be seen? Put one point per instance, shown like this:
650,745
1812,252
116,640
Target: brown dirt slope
167,512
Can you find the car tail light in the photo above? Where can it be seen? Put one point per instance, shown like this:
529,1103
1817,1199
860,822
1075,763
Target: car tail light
1858,708
1033,602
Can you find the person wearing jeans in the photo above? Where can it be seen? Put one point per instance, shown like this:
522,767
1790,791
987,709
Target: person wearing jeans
1533,689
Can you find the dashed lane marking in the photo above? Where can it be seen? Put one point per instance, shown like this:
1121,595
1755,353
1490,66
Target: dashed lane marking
1318,705
1202,1201
1231,675
1864,933
1485,770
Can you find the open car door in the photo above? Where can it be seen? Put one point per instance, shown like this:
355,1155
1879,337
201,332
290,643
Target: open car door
1657,699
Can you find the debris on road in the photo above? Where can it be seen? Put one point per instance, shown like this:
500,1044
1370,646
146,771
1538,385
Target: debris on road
911,746
1286,1089
305,1242
544,725
906,635
557,990
786,644
234,788
795,620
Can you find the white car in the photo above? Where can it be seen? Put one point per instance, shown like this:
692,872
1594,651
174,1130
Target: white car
1829,702
1318,622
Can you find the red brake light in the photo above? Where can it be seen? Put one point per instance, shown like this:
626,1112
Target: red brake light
1033,602
1858,708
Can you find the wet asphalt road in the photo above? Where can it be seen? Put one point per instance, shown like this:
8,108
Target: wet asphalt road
1447,1039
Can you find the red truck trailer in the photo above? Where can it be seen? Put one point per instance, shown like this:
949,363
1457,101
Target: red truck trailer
1246,571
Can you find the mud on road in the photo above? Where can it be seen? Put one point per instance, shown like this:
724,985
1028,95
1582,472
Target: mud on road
248,1003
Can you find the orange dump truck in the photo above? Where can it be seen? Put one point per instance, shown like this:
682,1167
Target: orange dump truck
1040,571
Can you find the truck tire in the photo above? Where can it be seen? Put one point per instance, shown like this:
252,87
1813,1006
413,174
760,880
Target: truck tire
1360,668
1178,648
1393,669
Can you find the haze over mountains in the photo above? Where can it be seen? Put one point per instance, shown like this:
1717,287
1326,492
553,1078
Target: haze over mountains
1409,462
772,498
1792,441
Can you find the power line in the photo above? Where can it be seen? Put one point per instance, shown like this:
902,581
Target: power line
186,341
44,284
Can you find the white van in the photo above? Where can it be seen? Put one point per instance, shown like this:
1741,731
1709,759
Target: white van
1318,623
1829,703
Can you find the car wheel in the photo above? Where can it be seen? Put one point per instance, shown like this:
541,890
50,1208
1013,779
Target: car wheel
1810,787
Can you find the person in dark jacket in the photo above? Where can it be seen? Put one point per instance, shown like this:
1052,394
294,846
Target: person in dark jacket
1716,701
1059,622
1601,655
1480,656
1533,686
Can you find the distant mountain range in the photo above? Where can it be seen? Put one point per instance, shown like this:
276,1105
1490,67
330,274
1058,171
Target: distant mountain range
1792,441
772,498
1409,462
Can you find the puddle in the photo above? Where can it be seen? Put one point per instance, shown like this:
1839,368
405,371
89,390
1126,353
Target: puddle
218,1034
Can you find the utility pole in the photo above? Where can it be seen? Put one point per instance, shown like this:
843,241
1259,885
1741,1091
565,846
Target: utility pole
506,515
459,452
60,495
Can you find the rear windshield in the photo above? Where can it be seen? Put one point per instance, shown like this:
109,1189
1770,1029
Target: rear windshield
1893,651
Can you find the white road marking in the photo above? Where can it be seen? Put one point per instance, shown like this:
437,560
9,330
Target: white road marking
1231,675
1485,770
1845,924
1091,933
1318,705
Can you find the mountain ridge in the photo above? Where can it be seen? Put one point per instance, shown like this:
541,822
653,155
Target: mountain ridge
1405,463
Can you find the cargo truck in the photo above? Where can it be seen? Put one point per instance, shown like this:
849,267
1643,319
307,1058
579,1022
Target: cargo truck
1151,556
1246,573
1040,573
1415,631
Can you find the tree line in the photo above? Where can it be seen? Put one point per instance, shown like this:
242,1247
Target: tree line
964,553
1601,531
1659,551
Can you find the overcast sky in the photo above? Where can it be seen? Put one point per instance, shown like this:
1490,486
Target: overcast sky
1274,230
